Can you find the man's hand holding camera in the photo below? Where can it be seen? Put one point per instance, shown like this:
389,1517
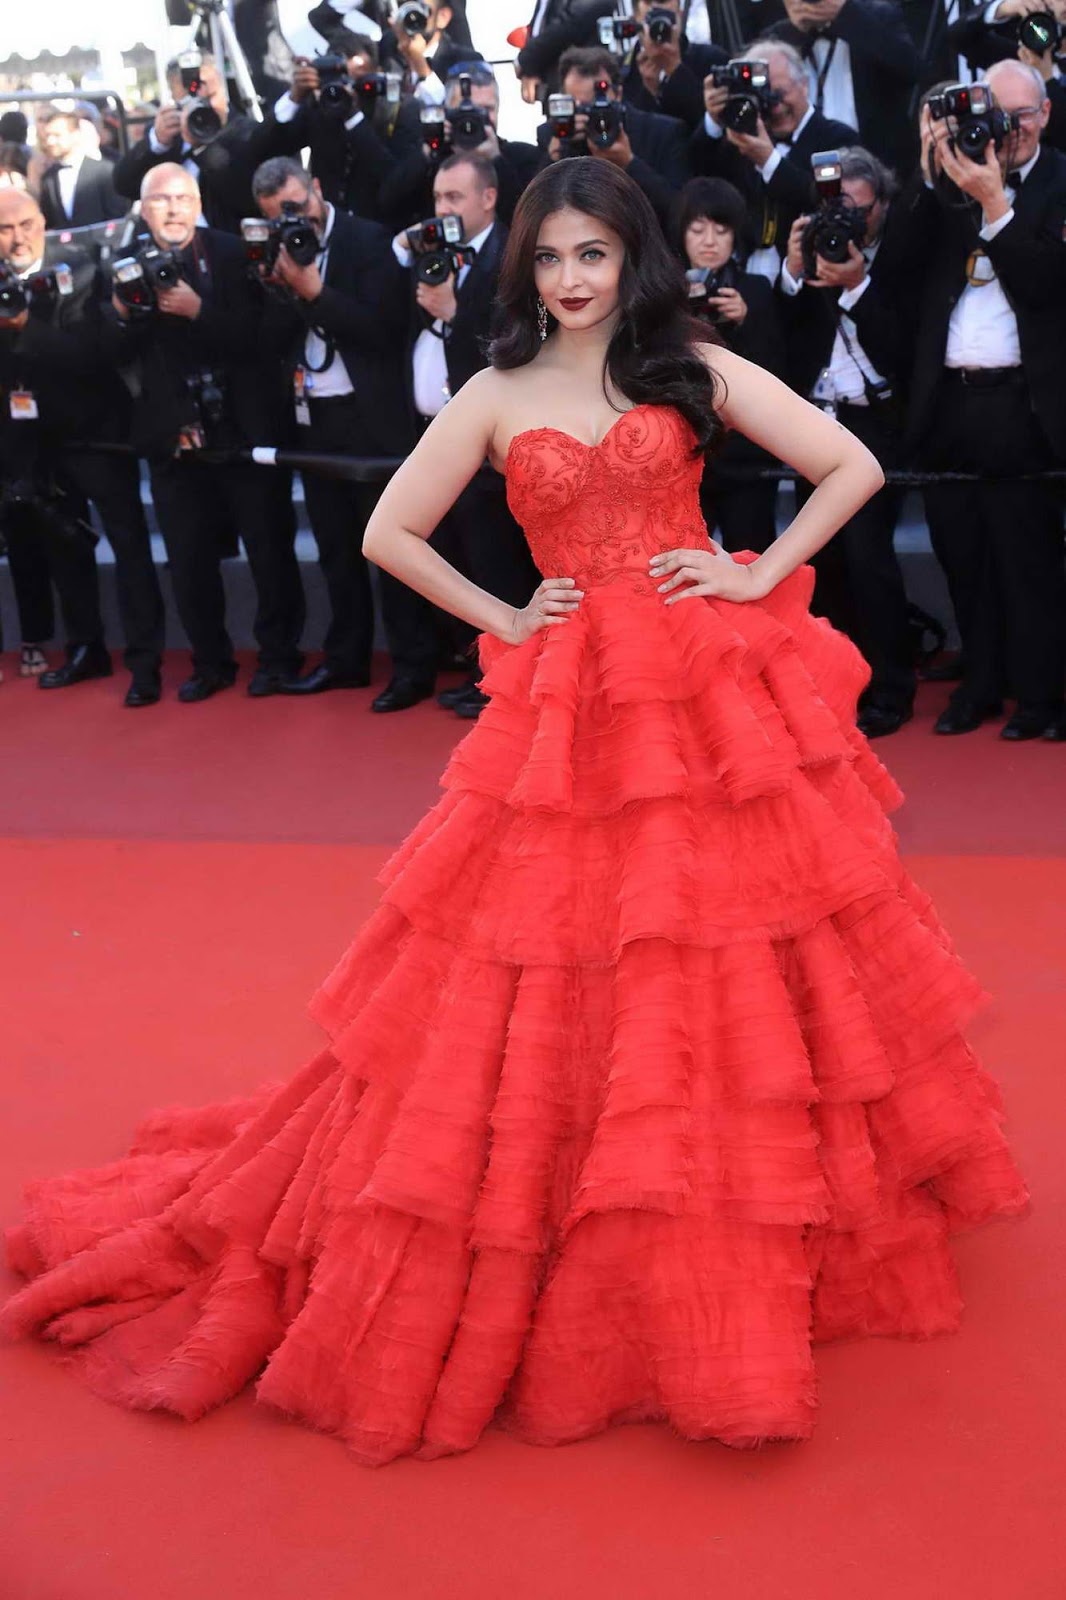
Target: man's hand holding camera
619,151
180,301
305,83
438,300
810,16
831,274
168,126
304,282
981,180
755,147
412,48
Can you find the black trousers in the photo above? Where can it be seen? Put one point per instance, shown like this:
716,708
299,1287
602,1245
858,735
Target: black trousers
999,542
31,579
339,512
480,537
858,582
199,505
112,484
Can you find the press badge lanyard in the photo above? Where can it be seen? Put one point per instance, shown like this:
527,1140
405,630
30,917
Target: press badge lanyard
22,402
304,374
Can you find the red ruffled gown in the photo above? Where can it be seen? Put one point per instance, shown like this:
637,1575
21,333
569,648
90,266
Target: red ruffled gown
646,1073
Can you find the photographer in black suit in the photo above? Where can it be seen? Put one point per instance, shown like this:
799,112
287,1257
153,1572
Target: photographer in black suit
986,397
649,147
479,534
407,192
985,34
341,322
59,389
204,381
76,189
352,151
863,66
771,166
665,70
712,240
221,165
846,354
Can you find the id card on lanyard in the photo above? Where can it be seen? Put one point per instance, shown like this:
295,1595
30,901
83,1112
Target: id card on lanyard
302,384
22,405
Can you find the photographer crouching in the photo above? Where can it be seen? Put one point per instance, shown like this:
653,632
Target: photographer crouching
844,344
58,388
340,316
984,236
186,324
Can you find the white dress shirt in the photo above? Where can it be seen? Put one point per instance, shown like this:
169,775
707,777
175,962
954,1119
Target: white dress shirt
982,329
841,380
334,379
428,361
67,180
830,61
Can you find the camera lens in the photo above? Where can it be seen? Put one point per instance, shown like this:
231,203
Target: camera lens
973,137
204,122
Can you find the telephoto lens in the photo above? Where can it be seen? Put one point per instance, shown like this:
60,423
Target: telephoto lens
413,17
660,24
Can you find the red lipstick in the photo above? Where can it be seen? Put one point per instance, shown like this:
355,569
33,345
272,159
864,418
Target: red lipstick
575,305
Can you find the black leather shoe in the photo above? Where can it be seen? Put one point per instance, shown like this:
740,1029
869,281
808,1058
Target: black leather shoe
1055,732
87,661
875,721
269,680
450,698
326,677
963,716
1030,722
202,685
143,692
471,706
400,694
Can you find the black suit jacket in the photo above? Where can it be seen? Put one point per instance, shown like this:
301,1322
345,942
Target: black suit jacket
567,22
363,309
884,71
225,172
1029,256
406,191
61,357
681,95
159,353
774,206
660,161
351,164
810,321
468,335
95,197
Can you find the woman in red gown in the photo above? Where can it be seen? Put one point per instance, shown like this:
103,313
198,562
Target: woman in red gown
648,1070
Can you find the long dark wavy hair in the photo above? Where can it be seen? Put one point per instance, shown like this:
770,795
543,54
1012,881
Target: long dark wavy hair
651,358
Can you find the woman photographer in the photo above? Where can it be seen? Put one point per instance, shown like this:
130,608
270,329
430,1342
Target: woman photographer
712,237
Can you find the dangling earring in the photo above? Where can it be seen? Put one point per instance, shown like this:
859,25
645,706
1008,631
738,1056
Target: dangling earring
542,319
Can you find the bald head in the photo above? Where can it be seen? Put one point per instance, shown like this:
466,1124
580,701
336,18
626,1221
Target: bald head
1024,78
170,204
21,229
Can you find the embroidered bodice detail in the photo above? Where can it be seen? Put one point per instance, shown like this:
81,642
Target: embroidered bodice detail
597,513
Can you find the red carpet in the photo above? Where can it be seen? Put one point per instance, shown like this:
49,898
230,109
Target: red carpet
178,880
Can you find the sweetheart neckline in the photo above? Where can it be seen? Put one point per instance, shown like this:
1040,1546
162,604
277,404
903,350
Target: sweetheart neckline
524,433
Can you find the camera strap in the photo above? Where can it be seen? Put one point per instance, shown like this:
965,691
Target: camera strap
821,73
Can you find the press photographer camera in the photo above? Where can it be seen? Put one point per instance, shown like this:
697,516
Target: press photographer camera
437,246
202,121
37,291
973,117
837,223
605,117
414,16
617,33
750,95
138,279
705,284
462,126
265,237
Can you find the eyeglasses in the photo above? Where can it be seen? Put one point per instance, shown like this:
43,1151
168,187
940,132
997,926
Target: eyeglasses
1028,114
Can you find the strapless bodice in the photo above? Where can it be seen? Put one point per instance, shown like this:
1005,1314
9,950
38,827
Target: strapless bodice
597,513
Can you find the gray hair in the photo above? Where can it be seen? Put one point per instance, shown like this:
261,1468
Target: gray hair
863,165
274,174
766,49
